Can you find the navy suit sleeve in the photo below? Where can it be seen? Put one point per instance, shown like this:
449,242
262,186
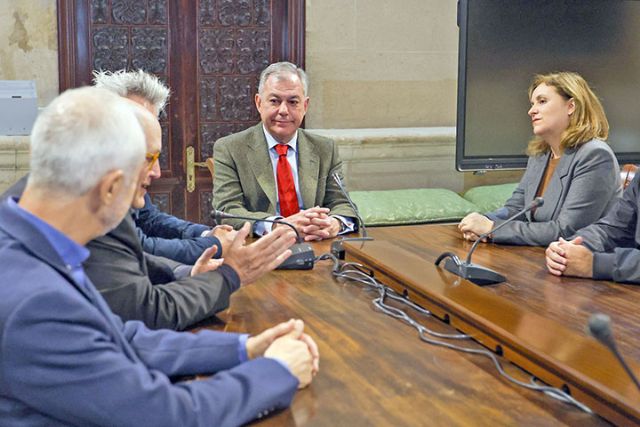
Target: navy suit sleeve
614,239
154,222
186,251
61,358
170,237
179,353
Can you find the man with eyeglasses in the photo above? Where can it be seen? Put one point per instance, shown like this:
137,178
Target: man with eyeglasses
160,292
161,233
167,294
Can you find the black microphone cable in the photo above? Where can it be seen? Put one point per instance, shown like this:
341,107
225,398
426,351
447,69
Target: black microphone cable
356,272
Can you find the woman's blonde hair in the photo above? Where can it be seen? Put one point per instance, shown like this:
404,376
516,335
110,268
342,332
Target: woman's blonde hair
587,122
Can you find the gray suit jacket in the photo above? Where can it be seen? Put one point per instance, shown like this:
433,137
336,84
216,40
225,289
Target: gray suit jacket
584,186
139,286
244,183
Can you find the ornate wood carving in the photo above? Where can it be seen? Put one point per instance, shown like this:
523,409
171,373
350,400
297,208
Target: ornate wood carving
216,51
162,201
208,99
207,12
157,11
206,198
128,12
149,49
236,99
99,11
253,48
234,45
262,13
164,158
235,12
110,48
211,132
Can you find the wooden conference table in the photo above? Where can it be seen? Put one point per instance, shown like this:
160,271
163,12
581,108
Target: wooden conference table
375,371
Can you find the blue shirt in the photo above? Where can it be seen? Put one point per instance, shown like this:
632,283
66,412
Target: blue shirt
71,253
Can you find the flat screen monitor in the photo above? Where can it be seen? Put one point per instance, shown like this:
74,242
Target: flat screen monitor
504,43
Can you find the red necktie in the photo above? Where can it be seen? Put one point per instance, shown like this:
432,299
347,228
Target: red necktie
286,188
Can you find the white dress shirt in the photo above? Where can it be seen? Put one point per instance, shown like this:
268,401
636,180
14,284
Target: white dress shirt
262,228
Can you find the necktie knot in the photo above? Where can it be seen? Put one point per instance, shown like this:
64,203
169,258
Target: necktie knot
282,149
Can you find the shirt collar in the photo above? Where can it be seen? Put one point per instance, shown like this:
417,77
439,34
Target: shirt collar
271,141
69,251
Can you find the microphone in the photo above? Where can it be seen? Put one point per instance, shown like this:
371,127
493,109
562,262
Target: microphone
337,248
475,273
302,255
600,328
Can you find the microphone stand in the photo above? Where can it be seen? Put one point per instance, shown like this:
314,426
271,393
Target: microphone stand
302,255
476,273
600,328
337,249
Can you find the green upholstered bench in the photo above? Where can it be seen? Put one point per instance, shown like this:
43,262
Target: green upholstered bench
413,206
425,205
489,197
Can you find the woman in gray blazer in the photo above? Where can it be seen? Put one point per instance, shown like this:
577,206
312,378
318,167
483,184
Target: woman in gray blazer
569,165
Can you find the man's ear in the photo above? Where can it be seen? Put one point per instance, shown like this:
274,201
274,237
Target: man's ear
306,104
109,187
258,101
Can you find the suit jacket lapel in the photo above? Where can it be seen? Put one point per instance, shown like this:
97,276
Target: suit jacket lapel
126,235
261,166
308,169
555,189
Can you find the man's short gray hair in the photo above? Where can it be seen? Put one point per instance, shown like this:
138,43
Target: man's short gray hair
82,135
280,69
138,82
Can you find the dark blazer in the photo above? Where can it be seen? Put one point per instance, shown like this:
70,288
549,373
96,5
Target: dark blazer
171,237
142,287
615,239
139,286
244,183
67,360
584,186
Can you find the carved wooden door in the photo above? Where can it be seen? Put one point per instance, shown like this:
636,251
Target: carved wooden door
209,52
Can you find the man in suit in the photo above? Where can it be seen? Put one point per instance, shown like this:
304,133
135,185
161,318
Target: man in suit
608,249
160,233
276,170
65,358
165,294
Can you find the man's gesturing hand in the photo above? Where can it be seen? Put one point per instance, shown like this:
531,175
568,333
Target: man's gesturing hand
253,260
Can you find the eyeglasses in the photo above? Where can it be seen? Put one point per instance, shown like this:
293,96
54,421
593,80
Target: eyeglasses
151,159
